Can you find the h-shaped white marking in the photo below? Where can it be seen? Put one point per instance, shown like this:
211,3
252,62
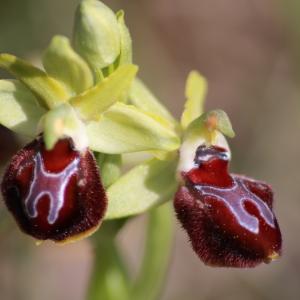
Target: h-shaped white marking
51,184
234,199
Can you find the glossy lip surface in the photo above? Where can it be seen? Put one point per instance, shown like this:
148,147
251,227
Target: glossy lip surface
52,185
235,198
229,218
54,194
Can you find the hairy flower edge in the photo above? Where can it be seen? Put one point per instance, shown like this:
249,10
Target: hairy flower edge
229,218
56,194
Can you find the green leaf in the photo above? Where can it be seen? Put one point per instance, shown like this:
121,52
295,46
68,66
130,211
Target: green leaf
48,91
19,111
63,122
125,39
99,98
146,185
110,168
96,34
65,65
196,89
141,97
123,128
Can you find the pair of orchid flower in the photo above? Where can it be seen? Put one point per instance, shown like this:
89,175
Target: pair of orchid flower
85,111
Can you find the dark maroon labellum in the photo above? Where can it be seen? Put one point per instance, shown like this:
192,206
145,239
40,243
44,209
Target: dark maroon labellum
54,194
229,218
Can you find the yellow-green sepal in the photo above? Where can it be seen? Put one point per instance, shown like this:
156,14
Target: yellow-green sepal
49,92
125,40
146,185
142,97
109,167
124,128
64,64
20,111
93,102
195,92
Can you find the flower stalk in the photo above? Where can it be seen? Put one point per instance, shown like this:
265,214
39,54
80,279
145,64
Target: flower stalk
110,280
158,247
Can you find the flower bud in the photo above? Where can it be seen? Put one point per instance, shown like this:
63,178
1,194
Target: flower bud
96,34
229,218
54,194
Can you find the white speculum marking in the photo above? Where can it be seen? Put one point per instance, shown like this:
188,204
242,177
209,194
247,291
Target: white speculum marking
234,199
222,155
51,184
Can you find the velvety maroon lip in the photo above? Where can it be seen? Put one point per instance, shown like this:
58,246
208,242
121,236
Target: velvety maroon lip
229,218
54,194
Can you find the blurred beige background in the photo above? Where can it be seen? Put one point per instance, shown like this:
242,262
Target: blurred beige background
246,49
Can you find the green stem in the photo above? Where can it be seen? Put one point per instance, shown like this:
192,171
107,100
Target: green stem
109,279
157,252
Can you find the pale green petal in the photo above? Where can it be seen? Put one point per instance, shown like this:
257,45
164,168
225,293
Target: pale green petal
123,128
19,111
96,34
48,91
64,64
146,185
196,90
110,168
208,123
99,98
223,124
63,122
125,39
141,97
